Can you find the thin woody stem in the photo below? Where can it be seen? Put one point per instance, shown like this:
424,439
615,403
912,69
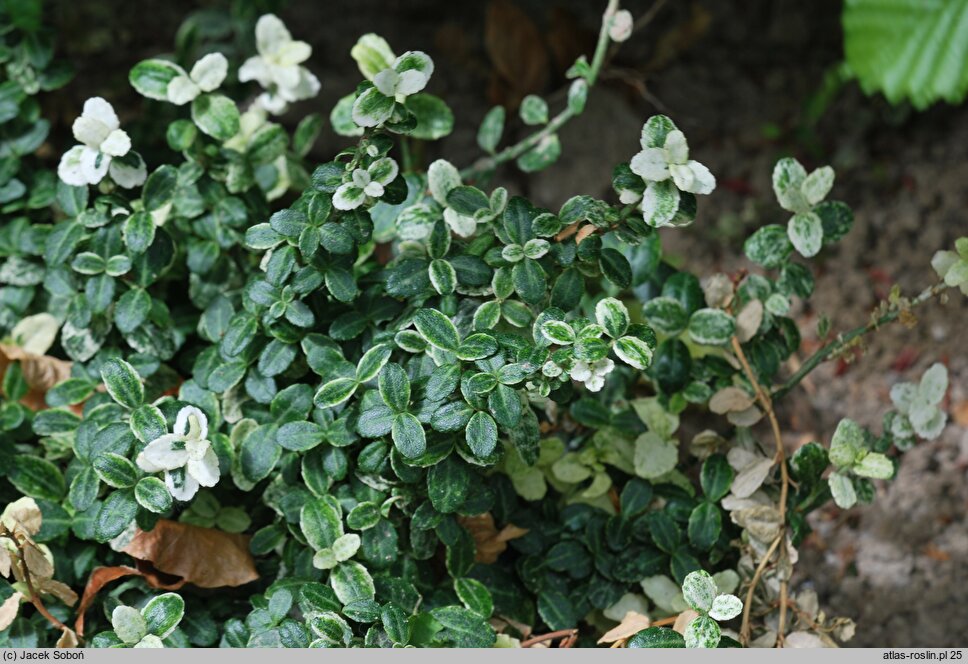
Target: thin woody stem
780,457
557,122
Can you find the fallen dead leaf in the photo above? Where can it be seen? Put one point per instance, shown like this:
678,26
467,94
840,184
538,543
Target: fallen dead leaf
41,372
684,619
631,624
934,553
100,577
9,610
68,639
959,412
490,541
205,557
730,399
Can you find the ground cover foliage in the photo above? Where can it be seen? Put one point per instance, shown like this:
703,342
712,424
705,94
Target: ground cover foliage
250,400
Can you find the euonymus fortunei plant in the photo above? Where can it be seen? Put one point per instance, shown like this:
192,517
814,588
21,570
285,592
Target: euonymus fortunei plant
380,402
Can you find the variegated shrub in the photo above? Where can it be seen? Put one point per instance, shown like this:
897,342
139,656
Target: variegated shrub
416,409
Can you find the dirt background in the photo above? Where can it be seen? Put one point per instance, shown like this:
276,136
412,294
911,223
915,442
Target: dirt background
745,81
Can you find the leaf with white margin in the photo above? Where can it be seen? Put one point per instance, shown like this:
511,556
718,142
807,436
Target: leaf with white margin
805,231
36,334
699,590
634,352
842,490
442,177
726,607
372,108
613,316
818,184
372,54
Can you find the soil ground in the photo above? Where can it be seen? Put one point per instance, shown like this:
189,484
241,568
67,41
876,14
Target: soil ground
742,80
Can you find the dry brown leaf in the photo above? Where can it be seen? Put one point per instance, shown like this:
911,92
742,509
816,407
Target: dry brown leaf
9,610
41,372
68,639
631,624
205,557
490,542
37,563
61,591
684,619
5,562
959,412
730,400
748,321
516,48
100,577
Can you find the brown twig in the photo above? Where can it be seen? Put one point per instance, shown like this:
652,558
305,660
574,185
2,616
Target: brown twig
34,595
744,631
551,636
780,457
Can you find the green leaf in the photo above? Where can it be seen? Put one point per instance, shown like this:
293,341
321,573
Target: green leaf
408,435
908,49
481,434
395,623
634,352
505,405
123,383
116,471
467,200
768,247
372,108
128,624
151,78
666,314
699,590
492,126
788,178
131,310
534,110
216,115
613,316
437,329
542,155
37,478
116,513
557,610
335,392
320,520
434,117
703,632
84,489
372,361
657,637
716,477
530,281
475,596
163,613
55,420
300,436
69,392
463,628
351,582
159,188
443,277
152,494
705,525
448,484
395,387
711,327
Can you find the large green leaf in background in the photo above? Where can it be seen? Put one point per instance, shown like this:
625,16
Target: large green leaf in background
909,49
